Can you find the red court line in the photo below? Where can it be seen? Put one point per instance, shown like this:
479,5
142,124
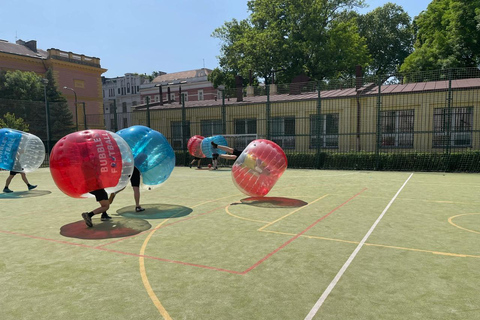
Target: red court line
299,234
166,225
120,252
182,262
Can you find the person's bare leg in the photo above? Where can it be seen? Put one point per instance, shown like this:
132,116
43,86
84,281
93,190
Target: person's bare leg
136,196
104,205
225,148
24,178
9,179
228,156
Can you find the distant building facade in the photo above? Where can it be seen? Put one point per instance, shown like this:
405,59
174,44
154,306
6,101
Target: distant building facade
167,88
122,93
80,73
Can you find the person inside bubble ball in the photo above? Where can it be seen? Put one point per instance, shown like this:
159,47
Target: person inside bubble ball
135,182
102,198
24,178
232,154
197,160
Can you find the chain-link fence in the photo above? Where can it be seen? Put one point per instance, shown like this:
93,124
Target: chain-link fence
427,121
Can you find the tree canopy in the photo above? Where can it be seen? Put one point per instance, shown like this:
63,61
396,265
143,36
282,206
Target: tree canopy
447,36
389,37
313,37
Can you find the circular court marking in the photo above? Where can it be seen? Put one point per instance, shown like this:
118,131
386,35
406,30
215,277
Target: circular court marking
273,202
155,211
475,222
24,194
118,227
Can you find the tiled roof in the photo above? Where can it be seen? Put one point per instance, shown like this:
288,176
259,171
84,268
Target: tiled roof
169,77
327,94
22,50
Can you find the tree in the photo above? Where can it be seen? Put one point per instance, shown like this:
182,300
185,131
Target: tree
60,116
10,121
389,36
447,36
24,92
314,37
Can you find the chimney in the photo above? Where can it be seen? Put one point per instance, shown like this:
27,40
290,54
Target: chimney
168,93
32,44
239,88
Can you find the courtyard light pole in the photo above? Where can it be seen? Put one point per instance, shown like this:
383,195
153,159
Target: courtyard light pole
76,111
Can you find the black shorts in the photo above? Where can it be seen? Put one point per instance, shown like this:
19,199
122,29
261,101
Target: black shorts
100,194
237,152
12,173
135,179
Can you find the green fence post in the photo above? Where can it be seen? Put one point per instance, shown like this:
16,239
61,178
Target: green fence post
115,124
448,126
268,112
379,126
184,132
224,114
318,127
84,116
148,112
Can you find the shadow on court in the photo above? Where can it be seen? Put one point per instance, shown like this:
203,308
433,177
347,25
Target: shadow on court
118,227
155,211
24,194
273,202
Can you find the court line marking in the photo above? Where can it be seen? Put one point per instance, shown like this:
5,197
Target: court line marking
256,264
455,225
340,273
296,210
143,271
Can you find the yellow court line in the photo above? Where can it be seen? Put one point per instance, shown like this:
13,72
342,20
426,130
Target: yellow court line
381,245
145,281
455,225
143,272
289,214
248,219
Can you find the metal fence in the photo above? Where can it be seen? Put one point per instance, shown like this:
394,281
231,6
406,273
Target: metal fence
426,121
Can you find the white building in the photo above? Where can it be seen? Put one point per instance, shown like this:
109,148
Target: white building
124,93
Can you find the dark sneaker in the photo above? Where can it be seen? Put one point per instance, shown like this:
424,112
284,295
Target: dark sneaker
30,187
88,219
6,190
105,217
214,144
139,209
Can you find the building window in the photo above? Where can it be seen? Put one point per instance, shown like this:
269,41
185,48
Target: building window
118,90
283,132
200,95
452,128
128,87
177,137
124,107
134,103
172,96
397,128
125,123
324,131
185,96
211,127
244,127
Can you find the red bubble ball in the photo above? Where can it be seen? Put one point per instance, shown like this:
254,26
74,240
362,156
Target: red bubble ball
194,146
89,160
258,168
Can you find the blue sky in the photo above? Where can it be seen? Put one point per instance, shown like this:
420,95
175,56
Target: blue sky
135,35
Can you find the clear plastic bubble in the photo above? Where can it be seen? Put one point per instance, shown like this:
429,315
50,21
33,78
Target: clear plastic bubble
20,151
153,154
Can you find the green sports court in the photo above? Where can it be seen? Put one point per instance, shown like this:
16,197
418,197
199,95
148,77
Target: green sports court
321,245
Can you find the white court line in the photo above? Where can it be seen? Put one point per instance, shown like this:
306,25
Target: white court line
335,280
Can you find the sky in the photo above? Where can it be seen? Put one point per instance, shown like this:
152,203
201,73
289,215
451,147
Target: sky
136,36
